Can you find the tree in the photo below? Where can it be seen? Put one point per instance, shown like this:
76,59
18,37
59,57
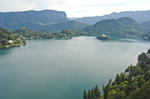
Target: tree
143,60
137,71
4,42
84,95
120,95
118,79
147,75
141,93
148,52
97,92
136,87
89,94
106,89
122,75
92,93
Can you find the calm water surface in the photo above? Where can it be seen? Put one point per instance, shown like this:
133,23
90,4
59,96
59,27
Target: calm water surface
62,69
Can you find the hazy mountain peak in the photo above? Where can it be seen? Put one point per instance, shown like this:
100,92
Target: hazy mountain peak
139,16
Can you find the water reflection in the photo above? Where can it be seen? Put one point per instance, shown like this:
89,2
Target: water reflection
5,51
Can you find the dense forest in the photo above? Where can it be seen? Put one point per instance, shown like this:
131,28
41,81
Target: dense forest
134,83
46,34
7,39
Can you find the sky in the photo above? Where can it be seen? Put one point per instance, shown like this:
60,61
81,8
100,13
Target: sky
76,8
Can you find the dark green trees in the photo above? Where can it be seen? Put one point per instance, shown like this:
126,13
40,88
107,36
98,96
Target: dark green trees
148,51
106,89
147,76
89,94
135,86
141,93
143,59
84,95
44,34
97,92
118,79
8,39
93,93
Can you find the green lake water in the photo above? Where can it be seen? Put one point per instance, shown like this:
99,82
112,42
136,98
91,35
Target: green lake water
62,69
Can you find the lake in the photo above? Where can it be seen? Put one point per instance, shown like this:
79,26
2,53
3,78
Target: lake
62,69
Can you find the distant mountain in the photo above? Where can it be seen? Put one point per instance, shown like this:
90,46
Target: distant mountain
38,20
123,27
146,25
15,20
139,16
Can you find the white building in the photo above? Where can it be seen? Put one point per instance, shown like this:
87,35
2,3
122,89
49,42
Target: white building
10,41
103,35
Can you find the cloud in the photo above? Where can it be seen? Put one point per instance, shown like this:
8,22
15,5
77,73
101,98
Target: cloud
76,8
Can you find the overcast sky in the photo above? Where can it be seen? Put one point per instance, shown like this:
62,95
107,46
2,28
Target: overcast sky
76,8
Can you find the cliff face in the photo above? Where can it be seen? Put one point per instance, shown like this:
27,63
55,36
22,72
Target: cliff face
14,20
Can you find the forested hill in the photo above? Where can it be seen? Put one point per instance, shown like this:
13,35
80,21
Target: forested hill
124,26
66,25
146,25
134,83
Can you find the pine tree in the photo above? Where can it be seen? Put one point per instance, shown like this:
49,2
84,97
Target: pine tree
106,89
84,95
89,94
92,93
118,79
148,52
97,92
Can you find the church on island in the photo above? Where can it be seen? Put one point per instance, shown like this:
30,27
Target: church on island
103,35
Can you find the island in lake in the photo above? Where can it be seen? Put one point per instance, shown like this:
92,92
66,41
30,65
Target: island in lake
103,37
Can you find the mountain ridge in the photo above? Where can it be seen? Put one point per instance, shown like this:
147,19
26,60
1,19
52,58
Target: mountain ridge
38,20
139,16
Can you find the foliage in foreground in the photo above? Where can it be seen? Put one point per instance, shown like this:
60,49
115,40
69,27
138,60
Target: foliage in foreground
134,83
